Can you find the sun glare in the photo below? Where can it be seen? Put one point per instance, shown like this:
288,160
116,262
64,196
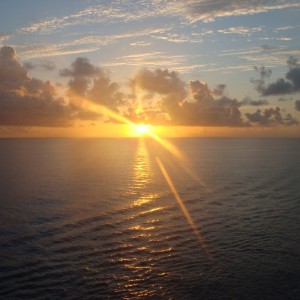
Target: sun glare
142,129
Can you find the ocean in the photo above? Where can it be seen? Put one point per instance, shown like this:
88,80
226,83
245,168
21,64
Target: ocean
128,219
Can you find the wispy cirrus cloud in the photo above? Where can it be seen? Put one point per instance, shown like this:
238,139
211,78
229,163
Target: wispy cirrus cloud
148,59
128,11
209,10
140,44
264,55
179,38
111,12
241,30
39,50
85,44
180,63
4,37
284,28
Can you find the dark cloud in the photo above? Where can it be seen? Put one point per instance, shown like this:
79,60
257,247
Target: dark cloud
44,65
166,84
157,97
297,105
249,101
159,81
270,117
290,120
284,99
292,62
206,110
219,90
195,107
266,48
48,65
92,83
279,87
263,72
28,65
12,73
28,102
282,86
81,72
197,104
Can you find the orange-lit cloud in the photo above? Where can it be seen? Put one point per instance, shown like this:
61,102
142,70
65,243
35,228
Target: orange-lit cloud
26,101
92,83
157,97
197,106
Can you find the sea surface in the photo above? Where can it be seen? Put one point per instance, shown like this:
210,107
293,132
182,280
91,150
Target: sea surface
129,219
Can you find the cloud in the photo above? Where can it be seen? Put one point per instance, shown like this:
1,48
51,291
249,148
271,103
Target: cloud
159,81
4,37
209,10
177,106
196,104
205,110
163,91
283,28
29,51
249,101
179,63
120,12
12,74
140,44
270,117
264,55
179,38
107,13
44,65
241,30
283,38
93,83
158,97
87,43
26,101
29,65
219,90
282,86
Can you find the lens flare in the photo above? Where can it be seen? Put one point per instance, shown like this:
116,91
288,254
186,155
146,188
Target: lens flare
143,129
183,208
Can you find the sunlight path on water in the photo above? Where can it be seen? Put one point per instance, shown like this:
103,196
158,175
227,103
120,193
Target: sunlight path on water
171,149
145,130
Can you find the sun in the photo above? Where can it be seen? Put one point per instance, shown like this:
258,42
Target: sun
141,129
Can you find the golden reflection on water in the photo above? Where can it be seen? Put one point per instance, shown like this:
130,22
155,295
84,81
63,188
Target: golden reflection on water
139,264
141,168
141,177
146,246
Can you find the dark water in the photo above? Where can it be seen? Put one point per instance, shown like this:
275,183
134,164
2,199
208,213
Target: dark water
95,219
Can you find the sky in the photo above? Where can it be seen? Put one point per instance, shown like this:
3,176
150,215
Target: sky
93,68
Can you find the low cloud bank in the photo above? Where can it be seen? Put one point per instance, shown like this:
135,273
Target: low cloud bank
157,97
